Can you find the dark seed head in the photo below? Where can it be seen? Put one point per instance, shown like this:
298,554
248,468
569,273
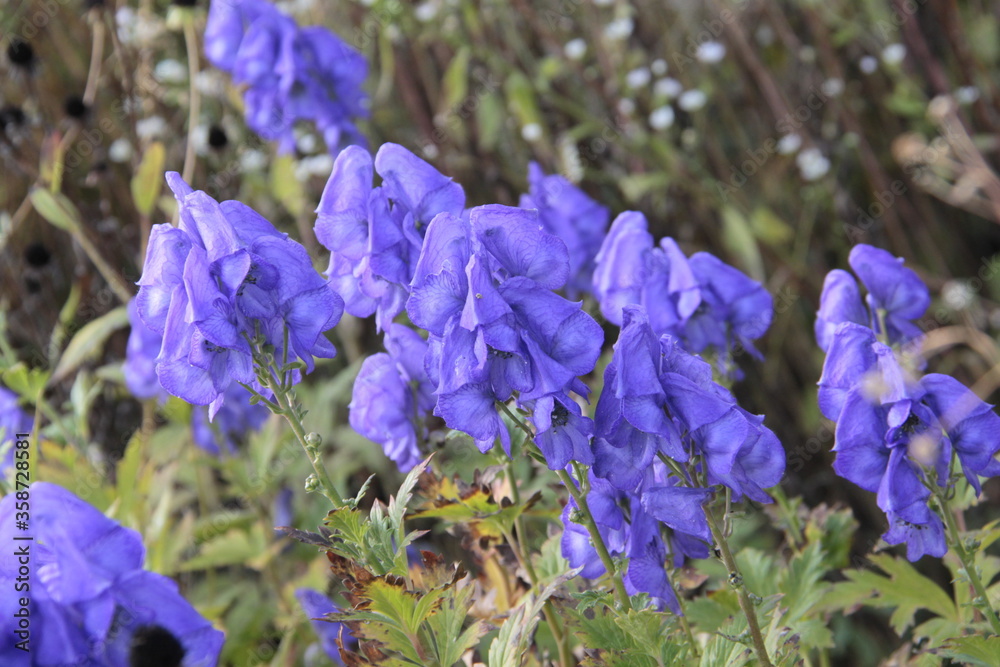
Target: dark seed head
155,646
185,3
12,116
37,255
75,107
217,137
21,54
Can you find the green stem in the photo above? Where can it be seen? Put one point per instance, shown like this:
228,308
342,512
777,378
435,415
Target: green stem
588,517
736,579
967,559
551,617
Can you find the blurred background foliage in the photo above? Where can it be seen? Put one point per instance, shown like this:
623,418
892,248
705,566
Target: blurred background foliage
774,134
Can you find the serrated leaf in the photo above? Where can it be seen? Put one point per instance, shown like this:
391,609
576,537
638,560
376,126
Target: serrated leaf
148,179
974,650
89,340
510,645
24,381
56,208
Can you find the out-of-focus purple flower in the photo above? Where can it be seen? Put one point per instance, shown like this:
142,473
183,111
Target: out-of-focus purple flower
317,606
392,396
140,357
91,600
290,73
702,301
375,234
893,290
568,213
234,421
13,420
225,274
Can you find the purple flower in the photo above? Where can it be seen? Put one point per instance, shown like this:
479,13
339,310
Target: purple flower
893,290
568,213
91,601
561,431
226,274
232,423
317,606
375,234
291,74
140,357
702,301
392,396
13,420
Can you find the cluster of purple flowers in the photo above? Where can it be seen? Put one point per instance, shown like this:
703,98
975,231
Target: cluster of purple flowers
223,277
701,300
375,234
231,423
91,603
896,433
13,420
660,402
290,73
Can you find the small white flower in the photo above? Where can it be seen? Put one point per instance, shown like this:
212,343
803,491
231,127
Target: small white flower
669,88
812,164
120,150
200,139
170,71
210,82
957,294
531,132
575,48
626,107
431,151
314,165
789,143
619,29
711,52
638,77
150,128
426,11
253,160
832,87
661,118
306,142
692,100
966,94
658,67
868,64
893,54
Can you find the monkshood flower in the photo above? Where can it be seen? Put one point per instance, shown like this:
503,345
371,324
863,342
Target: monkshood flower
290,73
224,275
375,234
232,423
483,287
896,296
700,300
568,213
392,396
140,357
13,420
660,400
317,606
91,602
896,434
631,525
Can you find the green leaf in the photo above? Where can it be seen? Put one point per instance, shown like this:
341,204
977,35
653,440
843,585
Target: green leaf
521,99
740,241
56,208
974,650
89,340
148,179
24,381
285,187
456,80
511,644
